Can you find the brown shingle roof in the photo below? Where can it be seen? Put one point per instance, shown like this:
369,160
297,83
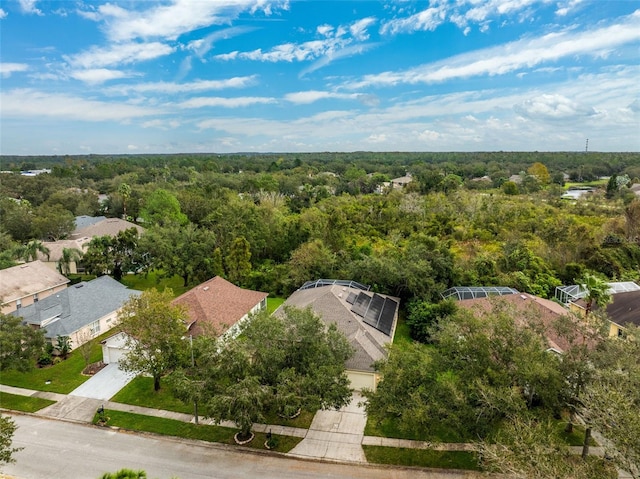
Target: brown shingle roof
218,304
527,308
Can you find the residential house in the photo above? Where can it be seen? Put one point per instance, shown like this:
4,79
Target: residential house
215,307
528,309
220,307
367,319
28,283
623,310
87,228
82,311
399,183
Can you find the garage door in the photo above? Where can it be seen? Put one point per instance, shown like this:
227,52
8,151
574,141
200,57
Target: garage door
115,354
361,380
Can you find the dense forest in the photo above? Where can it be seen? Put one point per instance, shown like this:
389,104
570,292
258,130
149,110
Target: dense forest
271,222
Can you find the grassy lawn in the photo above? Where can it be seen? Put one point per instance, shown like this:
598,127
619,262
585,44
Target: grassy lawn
63,377
23,403
421,457
139,392
171,427
273,304
143,282
390,428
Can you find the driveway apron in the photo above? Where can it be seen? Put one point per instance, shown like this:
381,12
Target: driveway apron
104,384
335,435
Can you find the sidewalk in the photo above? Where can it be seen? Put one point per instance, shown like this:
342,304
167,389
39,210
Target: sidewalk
333,435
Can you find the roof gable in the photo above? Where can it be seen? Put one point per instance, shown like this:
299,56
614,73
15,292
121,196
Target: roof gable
218,304
78,306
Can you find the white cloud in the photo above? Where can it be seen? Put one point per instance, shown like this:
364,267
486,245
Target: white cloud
171,20
28,103
525,53
29,6
336,42
202,46
201,102
428,19
195,86
566,7
311,96
97,75
119,54
7,69
554,107
3,13
358,29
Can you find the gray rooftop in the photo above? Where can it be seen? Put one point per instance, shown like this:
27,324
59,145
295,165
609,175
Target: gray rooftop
77,306
84,221
330,303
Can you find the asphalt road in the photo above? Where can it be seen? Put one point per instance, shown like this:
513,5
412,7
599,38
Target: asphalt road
57,449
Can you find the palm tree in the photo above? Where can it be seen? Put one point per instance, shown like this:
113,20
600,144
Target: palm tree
68,255
29,252
597,292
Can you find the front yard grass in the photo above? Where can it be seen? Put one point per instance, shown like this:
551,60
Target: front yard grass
16,402
62,378
139,392
171,427
273,304
422,457
390,428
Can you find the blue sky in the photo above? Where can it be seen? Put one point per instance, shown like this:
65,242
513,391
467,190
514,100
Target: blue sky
301,76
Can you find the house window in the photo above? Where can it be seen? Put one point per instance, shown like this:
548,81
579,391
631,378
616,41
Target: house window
18,303
35,298
95,328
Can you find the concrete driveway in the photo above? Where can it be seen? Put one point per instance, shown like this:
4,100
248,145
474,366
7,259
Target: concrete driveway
104,384
335,435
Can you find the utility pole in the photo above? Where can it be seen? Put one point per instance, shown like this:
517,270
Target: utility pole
586,146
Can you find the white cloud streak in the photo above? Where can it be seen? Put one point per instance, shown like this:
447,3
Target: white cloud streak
202,102
7,69
27,103
515,55
191,87
119,54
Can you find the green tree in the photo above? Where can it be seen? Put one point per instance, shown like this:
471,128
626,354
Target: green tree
162,208
239,261
7,429
125,192
53,222
540,172
187,252
155,334
20,344
510,188
29,252
68,256
530,448
610,401
63,345
423,317
597,292
115,255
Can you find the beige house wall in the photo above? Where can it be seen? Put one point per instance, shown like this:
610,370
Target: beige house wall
29,299
90,332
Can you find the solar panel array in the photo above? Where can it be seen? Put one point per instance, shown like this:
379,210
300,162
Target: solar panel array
351,298
375,311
